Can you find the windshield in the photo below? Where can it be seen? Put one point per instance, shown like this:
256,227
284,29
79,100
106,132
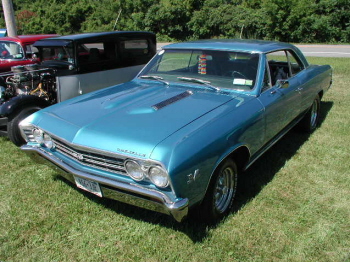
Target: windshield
58,53
11,50
216,69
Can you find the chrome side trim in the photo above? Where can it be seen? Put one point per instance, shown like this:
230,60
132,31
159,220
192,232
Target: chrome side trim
125,192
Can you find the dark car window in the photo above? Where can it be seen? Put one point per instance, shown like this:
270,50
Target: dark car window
135,51
111,54
96,56
58,53
283,65
295,64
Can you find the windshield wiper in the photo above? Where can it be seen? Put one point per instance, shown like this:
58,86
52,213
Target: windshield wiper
199,81
158,78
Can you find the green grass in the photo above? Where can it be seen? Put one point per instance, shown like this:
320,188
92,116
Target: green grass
293,205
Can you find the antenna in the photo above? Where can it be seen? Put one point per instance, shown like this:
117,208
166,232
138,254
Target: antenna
116,20
240,36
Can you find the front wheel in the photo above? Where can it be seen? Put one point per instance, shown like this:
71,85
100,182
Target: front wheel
221,192
13,130
311,119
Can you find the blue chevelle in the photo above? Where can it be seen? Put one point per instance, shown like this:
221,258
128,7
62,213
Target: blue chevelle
178,135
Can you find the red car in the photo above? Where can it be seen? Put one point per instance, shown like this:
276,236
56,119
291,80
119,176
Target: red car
19,50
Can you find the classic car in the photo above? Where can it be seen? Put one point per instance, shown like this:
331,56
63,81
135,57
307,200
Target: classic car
179,134
70,66
16,51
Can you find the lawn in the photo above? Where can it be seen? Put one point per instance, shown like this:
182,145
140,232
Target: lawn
293,205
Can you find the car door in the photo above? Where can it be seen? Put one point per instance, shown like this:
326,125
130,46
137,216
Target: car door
280,94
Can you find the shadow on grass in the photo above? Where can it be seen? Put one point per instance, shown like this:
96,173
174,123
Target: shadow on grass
250,184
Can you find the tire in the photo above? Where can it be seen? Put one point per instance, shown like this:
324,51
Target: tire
13,130
221,192
310,121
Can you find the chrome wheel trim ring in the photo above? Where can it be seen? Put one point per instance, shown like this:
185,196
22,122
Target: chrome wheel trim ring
314,114
224,189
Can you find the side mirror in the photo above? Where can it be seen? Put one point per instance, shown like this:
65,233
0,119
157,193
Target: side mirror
282,83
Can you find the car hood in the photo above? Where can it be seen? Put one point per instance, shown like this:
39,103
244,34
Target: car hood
131,118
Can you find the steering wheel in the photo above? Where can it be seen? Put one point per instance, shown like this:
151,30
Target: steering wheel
233,73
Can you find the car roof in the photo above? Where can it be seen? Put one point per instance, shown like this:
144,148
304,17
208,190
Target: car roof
26,38
252,46
96,35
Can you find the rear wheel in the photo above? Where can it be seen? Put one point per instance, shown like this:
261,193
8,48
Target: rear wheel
13,130
311,119
221,192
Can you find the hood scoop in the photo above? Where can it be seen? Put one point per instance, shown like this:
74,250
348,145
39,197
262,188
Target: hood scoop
172,100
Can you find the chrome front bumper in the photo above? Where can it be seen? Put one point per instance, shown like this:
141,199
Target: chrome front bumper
124,192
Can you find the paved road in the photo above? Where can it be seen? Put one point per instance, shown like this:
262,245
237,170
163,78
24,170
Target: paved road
315,50
325,50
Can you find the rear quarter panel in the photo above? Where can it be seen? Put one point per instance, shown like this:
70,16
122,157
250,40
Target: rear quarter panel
315,79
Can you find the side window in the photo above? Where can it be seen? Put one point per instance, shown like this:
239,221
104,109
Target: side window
91,52
278,65
97,56
295,64
58,53
283,64
30,50
135,51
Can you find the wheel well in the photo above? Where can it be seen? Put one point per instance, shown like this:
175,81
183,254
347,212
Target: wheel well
320,94
21,108
241,156
16,104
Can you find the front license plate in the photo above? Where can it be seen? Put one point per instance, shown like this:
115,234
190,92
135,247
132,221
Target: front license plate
88,185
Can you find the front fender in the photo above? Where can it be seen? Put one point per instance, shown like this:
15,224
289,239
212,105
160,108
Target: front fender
19,102
192,154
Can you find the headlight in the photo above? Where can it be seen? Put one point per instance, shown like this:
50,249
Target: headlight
134,170
47,140
158,176
38,135
43,139
139,171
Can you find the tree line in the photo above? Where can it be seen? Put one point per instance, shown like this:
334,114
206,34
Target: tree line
307,21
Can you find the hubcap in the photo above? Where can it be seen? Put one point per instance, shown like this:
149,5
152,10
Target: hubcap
224,189
314,114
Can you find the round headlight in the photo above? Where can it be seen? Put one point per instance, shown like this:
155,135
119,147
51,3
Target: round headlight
48,141
134,170
158,176
38,135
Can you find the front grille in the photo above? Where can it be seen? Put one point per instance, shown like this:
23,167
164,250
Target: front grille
92,159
